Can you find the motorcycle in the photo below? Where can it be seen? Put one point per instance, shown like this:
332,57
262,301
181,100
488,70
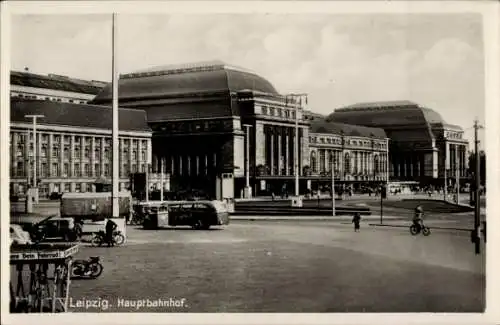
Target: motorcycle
100,238
416,228
90,268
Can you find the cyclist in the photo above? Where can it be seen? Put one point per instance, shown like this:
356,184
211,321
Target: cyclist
418,216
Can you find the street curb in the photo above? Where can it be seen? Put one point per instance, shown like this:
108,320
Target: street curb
323,218
251,218
431,227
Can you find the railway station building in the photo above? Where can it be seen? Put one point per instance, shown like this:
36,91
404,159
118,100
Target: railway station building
199,115
200,123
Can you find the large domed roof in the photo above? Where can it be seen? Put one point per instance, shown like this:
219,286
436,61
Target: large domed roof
184,80
403,121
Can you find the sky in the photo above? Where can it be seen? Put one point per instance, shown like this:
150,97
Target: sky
435,60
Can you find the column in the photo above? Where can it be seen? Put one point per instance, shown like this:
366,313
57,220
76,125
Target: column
417,166
172,165
181,169
365,163
464,159
61,154
13,157
370,164
189,165
38,156
364,167
448,159
27,160
82,154
271,136
338,165
72,156
411,165
325,160
101,161
288,166
292,153
130,149
280,165
341,164
92,157
206,164
197,165
360,162
139,154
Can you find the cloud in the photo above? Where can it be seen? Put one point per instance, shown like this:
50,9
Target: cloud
450,54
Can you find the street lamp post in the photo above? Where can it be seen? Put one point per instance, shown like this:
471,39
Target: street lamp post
161,179
34,117
333,187
115,130
457,174
247,193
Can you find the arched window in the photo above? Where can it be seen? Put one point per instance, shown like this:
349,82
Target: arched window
347,163
322,160
313,162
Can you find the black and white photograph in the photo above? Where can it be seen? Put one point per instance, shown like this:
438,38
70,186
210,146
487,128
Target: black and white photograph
181,161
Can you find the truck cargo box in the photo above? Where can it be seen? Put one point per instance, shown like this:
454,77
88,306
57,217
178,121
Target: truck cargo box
94,205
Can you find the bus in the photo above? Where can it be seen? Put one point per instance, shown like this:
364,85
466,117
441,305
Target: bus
199,215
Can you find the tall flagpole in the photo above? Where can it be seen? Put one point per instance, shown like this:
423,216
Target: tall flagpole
115,121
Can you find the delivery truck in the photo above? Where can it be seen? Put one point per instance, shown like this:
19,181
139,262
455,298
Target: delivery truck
94,208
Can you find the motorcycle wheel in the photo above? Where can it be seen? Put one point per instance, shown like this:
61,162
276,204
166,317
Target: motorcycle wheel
119,239
426,231
96,241
96,269
414,230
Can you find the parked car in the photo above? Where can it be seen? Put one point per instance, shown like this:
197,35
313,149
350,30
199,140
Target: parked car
19,236
51,228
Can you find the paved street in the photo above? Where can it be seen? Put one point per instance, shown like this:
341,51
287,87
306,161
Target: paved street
284,266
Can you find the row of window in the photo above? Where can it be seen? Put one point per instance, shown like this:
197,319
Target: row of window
57,171
56,152
453,135
278,112
19,137
332,140
189,127
351,163
54,99
44,188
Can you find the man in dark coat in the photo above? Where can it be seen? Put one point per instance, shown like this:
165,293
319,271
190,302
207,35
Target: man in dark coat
356,221
110,228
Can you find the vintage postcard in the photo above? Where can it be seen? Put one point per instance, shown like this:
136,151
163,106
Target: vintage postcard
257,162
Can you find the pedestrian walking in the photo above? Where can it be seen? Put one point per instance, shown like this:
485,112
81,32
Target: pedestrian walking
356,221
